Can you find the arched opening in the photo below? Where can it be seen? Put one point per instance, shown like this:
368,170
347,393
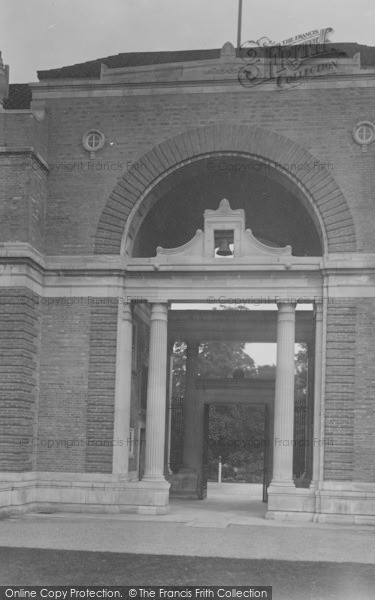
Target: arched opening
294,167
277,211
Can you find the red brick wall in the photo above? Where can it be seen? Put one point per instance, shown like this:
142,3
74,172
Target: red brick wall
340,393
133,125
64,374
101,386
23,201
364,418
22,129
19,357
22,179
78,191
349,401
37,203
77,385
15,203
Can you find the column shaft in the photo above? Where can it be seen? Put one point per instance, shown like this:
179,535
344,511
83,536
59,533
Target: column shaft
156,395
122,389
284,397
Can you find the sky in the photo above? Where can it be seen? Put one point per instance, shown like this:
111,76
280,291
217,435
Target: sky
45,34
263,354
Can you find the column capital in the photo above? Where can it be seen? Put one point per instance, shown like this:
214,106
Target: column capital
286,312
159,311
286,305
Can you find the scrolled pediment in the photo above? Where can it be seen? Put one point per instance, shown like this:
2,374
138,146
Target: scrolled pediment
224,240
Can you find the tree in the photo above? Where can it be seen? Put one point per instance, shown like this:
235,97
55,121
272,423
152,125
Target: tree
301,367
266,371
220,359
179,368
236,433
215,359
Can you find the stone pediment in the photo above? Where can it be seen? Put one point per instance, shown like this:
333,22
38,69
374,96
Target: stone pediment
224,230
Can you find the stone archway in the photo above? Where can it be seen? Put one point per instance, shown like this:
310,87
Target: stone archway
318,188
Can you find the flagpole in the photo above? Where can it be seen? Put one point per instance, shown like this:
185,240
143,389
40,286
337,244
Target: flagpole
239,25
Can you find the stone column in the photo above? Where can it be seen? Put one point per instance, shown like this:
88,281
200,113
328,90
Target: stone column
284,397
122,389
156,395
317,441
189,455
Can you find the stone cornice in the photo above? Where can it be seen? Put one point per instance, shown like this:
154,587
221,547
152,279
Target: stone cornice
74,89
18,253
25,151
20,111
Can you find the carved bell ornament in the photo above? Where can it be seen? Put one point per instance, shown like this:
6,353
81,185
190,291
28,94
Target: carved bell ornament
224,249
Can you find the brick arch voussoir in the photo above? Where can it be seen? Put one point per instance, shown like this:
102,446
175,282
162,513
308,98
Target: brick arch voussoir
226,138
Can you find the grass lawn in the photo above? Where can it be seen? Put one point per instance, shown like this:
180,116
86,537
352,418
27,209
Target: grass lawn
290,580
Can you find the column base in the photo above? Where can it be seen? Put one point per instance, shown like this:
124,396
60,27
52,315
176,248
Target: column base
286,484
285,498
80,492
154,480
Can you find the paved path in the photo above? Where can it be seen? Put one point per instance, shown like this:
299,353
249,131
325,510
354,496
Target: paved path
229,524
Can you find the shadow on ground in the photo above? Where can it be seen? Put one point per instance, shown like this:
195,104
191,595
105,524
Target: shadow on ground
290,580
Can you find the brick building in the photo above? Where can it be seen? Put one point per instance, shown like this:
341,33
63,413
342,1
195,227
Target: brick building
108,169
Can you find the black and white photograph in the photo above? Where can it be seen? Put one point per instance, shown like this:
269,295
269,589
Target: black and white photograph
187,299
